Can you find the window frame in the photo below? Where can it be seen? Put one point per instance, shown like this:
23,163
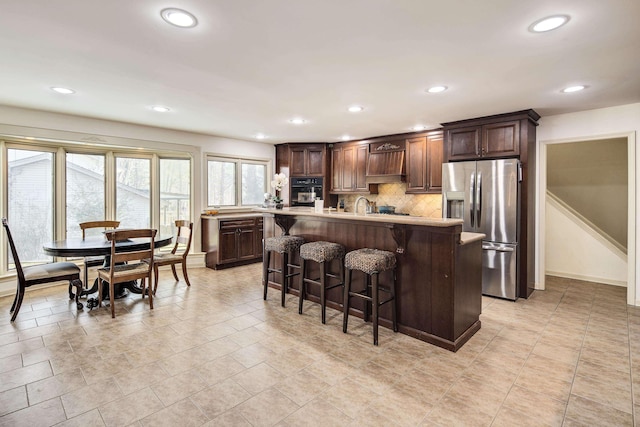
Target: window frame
110,153
239,161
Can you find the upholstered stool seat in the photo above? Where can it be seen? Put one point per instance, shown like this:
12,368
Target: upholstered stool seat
322,253
372,262
285,246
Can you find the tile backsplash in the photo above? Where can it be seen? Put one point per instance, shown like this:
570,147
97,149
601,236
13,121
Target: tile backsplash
427,205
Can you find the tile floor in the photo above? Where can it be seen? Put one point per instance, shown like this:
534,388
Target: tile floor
217,354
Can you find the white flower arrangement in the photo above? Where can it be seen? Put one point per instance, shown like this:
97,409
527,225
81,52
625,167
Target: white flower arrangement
278,183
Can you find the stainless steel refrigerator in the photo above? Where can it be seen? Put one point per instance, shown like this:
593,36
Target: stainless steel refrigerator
484,194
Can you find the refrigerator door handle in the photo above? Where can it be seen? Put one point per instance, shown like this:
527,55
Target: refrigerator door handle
498,248
479,199
472,203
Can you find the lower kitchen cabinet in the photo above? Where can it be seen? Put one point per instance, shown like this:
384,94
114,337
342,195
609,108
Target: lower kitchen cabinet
231,240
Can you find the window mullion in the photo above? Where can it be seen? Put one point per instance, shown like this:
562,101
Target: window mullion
60,195
154,194
110,186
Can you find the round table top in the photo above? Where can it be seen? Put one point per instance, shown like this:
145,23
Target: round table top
98,245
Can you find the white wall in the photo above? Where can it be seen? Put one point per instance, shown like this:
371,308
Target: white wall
576,251
617,121
32,123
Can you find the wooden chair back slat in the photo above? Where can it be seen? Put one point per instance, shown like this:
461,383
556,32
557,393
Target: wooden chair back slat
107,225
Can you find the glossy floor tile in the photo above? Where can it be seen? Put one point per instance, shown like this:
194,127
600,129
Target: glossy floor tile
216,354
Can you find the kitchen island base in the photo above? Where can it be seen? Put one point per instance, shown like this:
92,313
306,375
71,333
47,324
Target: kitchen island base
439,273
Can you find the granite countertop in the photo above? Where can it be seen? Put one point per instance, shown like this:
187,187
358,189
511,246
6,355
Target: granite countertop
395,219
467,237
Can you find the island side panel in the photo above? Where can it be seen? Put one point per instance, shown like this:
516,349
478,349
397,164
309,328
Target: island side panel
468,289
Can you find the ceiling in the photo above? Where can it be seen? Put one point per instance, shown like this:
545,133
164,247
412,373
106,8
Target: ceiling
249,67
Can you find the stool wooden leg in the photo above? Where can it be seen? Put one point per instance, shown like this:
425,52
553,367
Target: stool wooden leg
266,258
285,276
367,304
393,303
345,300
374,307
323,300
303,286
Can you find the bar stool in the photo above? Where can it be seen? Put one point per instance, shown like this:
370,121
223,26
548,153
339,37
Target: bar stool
322,253
371,262
284,245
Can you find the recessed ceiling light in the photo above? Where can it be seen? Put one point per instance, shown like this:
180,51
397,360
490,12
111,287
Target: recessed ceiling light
63,90
576,88
549,23
179,18
297,121
419,127
260,136
345,137
160,108
437,89
356,108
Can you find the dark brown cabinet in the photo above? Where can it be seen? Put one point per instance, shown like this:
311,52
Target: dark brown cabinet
491,140
510,135
349,168
232,240
424,163
307,159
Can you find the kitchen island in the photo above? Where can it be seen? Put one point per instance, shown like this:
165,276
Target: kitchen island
439,270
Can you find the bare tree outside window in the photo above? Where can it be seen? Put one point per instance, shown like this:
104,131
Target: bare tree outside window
85,191
221,183
253,183
236,182
133,203
175,193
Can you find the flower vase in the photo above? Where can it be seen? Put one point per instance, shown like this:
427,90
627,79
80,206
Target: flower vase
279,205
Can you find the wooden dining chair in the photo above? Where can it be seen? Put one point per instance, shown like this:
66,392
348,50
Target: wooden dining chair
178,254
96,261
42,273
125,266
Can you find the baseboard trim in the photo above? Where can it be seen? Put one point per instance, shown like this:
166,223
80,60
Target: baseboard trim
588,278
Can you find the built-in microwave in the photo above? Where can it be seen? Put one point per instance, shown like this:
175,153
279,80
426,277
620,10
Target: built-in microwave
305,191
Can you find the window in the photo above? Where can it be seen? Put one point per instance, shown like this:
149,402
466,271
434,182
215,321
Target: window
133,187
85,191
50,188
221,183
236,182
253,183
175,191
30,190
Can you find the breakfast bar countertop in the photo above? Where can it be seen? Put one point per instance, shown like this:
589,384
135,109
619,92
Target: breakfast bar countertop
375,217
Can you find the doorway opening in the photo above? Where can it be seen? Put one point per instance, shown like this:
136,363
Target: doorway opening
587,211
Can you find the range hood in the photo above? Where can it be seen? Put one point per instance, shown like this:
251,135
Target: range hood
385,162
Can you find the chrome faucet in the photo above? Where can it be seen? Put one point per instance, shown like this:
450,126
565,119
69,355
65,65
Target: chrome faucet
368,205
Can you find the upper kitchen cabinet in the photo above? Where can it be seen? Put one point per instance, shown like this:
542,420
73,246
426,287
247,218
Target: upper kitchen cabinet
424,163
307,160
503,135
349,168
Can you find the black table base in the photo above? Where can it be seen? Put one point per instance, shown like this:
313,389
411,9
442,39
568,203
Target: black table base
121,290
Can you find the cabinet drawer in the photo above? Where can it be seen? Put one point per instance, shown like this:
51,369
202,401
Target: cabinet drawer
237,223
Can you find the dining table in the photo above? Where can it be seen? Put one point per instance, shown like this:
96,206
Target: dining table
99,246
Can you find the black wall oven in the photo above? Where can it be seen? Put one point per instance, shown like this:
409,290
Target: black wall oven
305,191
